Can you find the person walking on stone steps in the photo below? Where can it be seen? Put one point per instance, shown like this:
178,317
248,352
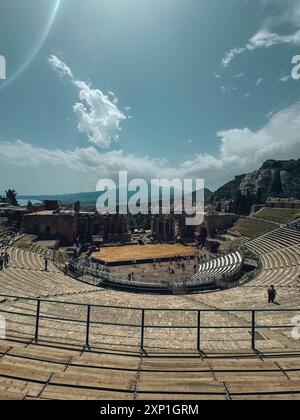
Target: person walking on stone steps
6,259
272,293
1,261
46,263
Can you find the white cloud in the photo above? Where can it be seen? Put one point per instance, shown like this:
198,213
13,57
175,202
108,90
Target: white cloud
60,67
287,13
246,96
266,39
262,39
259,81
89,161
239,75
240,150
285,79
279,138
98,115
228,89
230,55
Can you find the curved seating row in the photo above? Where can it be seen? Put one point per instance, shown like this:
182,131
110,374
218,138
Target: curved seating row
44,373
26,276
277,239
29,371
26,281
222,268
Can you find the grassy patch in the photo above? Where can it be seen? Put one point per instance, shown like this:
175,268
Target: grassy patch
252,228
279,215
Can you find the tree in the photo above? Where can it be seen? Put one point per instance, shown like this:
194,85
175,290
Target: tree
218,207
259,196
202,236
11,197
212,246
29,206
237,202
242,203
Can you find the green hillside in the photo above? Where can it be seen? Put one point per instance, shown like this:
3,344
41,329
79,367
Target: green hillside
281,216
252,228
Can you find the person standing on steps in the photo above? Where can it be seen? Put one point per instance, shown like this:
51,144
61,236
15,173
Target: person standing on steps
66,269
46,263
1,261
6,259
272,293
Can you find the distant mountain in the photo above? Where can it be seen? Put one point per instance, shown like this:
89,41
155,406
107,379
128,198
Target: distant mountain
274,178
207,195
86,198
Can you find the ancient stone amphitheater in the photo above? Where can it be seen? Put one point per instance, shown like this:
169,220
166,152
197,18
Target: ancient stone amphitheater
94,343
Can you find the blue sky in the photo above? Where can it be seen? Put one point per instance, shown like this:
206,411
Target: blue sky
188,88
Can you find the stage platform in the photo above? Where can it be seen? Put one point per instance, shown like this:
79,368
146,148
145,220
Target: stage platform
142,253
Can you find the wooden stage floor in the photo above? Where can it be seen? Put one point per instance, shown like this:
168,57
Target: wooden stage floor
129,253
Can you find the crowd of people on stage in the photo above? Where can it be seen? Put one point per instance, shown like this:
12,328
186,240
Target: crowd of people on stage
181,263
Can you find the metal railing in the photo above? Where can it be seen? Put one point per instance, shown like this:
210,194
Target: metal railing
252,326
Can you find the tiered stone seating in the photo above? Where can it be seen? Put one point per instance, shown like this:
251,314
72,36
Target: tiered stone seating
295,225
26,276
219,268
280,254
25,370
282,267
34,372
277,239
105,333
25,282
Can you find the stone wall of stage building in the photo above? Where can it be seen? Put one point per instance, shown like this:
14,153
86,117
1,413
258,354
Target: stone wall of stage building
219,222
51,205
174,228
112,228
171,228
59,226
115,228
164,228
76,226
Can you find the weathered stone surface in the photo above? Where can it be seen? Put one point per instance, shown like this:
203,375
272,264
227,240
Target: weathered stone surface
274,178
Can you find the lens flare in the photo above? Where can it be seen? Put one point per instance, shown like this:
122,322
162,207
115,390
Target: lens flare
36,50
